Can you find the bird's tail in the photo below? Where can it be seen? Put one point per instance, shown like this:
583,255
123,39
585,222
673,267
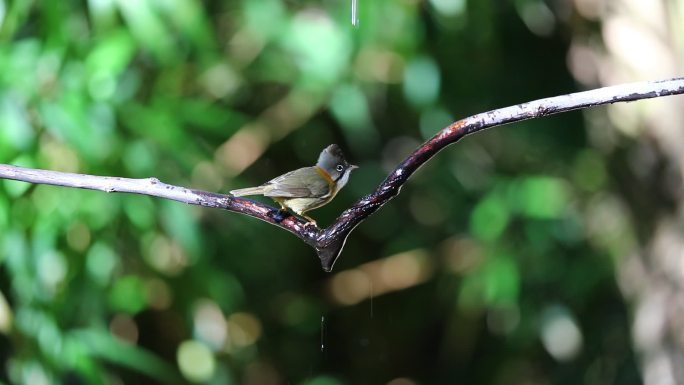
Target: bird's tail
248,191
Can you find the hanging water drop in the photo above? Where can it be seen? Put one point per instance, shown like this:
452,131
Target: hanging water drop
354,13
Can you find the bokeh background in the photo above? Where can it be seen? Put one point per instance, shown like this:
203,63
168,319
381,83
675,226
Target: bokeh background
546,252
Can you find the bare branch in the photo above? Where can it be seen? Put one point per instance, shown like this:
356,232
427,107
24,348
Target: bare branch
153,187
329,242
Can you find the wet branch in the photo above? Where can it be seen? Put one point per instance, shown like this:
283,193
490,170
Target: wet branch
329,241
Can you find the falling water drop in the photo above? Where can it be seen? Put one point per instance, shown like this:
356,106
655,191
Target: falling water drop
354,13
371,299
322,333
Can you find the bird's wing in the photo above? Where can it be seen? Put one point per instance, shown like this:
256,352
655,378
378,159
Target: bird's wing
301,183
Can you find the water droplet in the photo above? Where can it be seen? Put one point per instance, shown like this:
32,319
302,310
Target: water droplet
371,298
354,13
322,333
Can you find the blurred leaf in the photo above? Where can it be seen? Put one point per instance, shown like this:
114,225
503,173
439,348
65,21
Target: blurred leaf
589,171
148,28
349,106
190,19
112,54
51,268
76,356
99,208
178,220
422,81
227,290
158,123
323,380
4,215
128,295
212,118
319,48
140,158
101,263
490,217
264,18
16,129
540,197
103,12
100,343
6,316
140,210
19,58
88,129
494,283
196,361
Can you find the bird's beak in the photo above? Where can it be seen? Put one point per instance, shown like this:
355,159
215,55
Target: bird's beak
353,167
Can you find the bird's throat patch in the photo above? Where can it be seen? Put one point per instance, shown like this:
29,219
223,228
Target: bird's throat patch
325,176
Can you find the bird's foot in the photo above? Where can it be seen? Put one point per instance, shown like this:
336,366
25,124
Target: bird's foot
310,220
279,215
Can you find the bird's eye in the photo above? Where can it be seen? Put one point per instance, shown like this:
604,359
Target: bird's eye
339,167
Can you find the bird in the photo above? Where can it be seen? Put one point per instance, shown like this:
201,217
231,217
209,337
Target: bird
307,188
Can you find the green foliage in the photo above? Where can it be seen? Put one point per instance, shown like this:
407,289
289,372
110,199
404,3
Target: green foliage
451,282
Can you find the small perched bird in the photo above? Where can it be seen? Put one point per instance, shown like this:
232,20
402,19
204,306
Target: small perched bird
307,188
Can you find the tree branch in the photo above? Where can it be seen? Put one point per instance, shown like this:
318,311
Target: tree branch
329,242
153,187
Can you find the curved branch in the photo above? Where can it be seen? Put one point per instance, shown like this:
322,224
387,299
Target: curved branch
329,242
